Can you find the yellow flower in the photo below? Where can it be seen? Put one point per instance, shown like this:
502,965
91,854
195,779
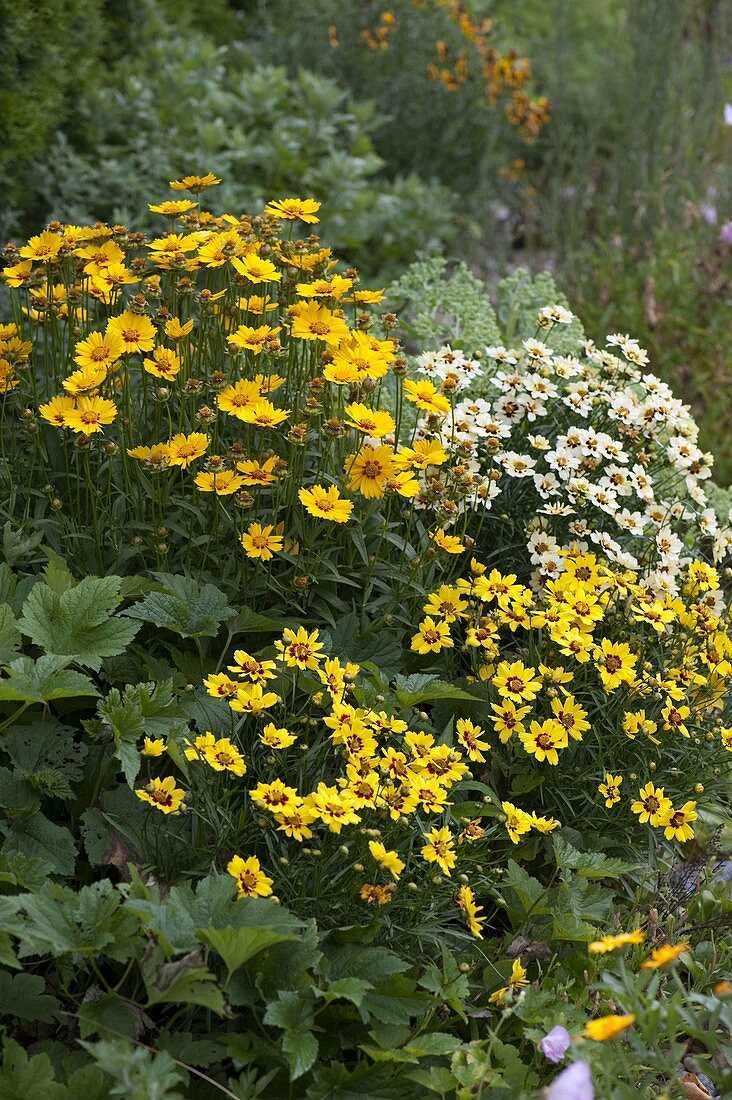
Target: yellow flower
164,363
466,902
673,719
424,395
451,544
607,1027
85,380
175,329
45,247
252,699
664,954
334,807
194,184
252,339
275,796
518,821
376,895
544,740
676,822
303,210
516,981
222,756
134,331
57,410
98,350
259,542
255,670
514,681
615,663
172,208
325,503
91,414
335,287
469,735
612,943
155,457
439,849
424,453
446,604
368,297
509,719
373,422
277,738
185,449
610,789
263,414
16,274
386,859
300,650
163,795
221,482
256,473
221,686
432,637
239,398
309,321
255,269
652,806
635,722
153,747
571,715
250,878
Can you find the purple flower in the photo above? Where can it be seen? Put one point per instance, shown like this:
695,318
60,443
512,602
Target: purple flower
728,113
725,233
573,1083
555,1044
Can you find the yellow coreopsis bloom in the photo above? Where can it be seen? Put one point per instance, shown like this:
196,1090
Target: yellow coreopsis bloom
277,737
172,208
134,331
334,807
45,247
91,414
164,363
260,542
652,805
309,321
262,413
386,859
298,649
615,663
612,943
256,269
466,902
185,449
518,821
676,822
424,395
469,735
252,339
439,849
57,410
607,1027
664,954
303,210
98,350
194,184
163,795
175,329
432,637
252,699
544,740
325,503
221,482
369,470
373,422
451,544
275,796
517,980
514,681
250,878
610,789
153,747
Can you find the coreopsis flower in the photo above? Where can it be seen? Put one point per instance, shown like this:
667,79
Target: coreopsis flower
175,329
514,681
252,699
303,210
612,943
262,413
251,880
674,718
220,686
275,796
424,395
325,503
432,637
372,422
221,482
615,663
295,822
466,902
667,953
607,1027
153,746
369,470
635,722
386,859
15,275
571,715
258,473
57,410
440,849
252,668
516,981
310,321
252,339
163,364
334,807
185,449
222,755
98,350
676,822
298,649
85,380
275,737
194,184
260,542
424,453
335,287
509,719
451,544
446,604
134,331
172,208
544,824
544,739
376,895
155,457
163,795
256,269
44,248
652,805
239,398
469,736
91,414
368,297
517,821
610,789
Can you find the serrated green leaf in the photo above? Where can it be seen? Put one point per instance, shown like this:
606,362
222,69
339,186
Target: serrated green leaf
301,1049
422,688
183,605
41,681
237,945
588,864
184,981
23,995
78,623
27,1077
39,838
347,989
531,894
9,634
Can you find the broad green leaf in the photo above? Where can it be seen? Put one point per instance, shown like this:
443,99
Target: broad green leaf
78,623
588,864
421,688
531,894
39,838
108,1014
347,989
138,1072
184,981
21,1076
183,605
142,709
248,621
237,945
23,995
41,681
9,634
301,1049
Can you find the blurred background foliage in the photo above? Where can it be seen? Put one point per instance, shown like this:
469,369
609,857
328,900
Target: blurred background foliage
419,125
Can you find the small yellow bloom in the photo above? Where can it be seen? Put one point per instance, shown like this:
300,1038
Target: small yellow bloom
325,503
610,789
250,878
612,943
386,859
516,981
153,747
451,544
439,849
432,637
607,1027
260,542
163,795
303,210
665,954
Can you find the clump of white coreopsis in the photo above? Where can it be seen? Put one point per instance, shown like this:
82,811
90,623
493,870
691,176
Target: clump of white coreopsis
582,450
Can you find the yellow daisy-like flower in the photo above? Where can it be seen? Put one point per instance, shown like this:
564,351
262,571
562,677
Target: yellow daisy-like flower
172,208
369,471
253,699
334,807
613,943
298,649
440,849
91,414
517,980
252,339
262,413
424,395
676,822
466,902
194,184
153,746
544,740
16,274
250,878
610,789
221,482
175,329
256,269
514,681
386,859
432,637
615,663
163,795
325,503
98,350
607,1027
652,805
309,321
185,449
451,544
275,796
45,247
660,956
223,756
469,735
134,331
335,287
275,737
373,422
85,380
239,398
57,410
258,473
164,363
155,457
517,823
260,542
303,210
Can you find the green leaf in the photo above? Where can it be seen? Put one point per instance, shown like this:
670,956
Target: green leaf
184,981
143,709
23,996
347,989
237,945
78,623
108,1015
183,605
421,688
250,622
27,1077
91,922
588,864
449,983
301,1049
529,891
9,634
39,838
137,1071
40,681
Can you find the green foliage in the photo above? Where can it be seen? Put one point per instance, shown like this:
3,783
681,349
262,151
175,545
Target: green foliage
439,305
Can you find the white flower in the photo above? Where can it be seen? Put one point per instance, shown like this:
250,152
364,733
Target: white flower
547,485
554,315
517,465
634,522
501,354
536,350
540,544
